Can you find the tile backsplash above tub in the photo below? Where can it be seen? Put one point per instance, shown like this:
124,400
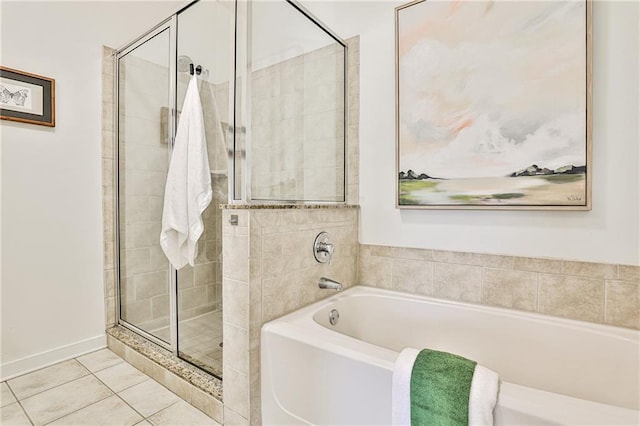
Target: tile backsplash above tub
594,292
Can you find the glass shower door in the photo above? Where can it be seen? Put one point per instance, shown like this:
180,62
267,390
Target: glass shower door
205,39
143,151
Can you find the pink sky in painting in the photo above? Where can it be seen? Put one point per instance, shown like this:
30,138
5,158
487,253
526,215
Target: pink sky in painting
488,88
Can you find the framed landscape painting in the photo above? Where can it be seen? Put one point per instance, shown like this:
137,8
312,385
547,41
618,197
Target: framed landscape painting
493,104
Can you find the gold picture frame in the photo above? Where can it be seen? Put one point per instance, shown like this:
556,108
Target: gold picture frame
26,97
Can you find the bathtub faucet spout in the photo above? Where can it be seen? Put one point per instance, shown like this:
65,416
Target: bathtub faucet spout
330,284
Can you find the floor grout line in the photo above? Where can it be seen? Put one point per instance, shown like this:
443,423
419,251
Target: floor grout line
112,393
19,404
79,409
165,408
53,387
132,407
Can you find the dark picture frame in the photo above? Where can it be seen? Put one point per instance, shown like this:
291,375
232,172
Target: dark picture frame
26,97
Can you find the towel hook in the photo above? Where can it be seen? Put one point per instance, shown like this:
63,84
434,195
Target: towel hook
198,69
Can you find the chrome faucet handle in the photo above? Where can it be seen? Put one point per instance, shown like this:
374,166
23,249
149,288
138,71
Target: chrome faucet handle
326,248
323,248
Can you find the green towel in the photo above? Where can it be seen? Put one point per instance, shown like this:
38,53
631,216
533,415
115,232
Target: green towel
440,385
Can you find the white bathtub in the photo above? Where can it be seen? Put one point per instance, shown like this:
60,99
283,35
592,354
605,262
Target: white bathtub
553,371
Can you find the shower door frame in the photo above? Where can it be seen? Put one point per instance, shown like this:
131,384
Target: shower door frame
170,24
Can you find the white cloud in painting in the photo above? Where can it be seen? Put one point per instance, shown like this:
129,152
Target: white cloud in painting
482,150
498,102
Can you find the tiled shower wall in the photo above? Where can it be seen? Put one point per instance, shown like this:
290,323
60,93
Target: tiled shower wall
297,127
594,292
269,271
145,158
210,249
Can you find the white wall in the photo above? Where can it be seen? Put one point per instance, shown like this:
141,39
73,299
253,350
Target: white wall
608,233
52,293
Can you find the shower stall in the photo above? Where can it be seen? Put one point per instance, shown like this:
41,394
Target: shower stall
274,102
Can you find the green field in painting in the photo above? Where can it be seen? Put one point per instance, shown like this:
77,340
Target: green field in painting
560,190
409,187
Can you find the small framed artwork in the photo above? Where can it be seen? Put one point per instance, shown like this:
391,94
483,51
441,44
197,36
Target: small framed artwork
493,105
26,97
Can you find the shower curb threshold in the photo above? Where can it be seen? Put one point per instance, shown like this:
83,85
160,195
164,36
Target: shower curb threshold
200,389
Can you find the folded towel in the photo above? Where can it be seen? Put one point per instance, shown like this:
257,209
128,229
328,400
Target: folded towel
438,388
483,396
188,188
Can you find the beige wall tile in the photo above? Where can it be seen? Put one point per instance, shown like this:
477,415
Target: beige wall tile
186,277
414,253
255,243
412,276
137,312
296,248
498,261
280,296
308,289
384,251
458,257
192,298
150,285
235,255
231,418
107,144
623,303
107,60
510,289
115,345
236,397
236,348
578,298
109,279
235,300
537,264
177,385
375,271
365,250
205,273
110,311
207,404
629,273
160,307
458,282
589,269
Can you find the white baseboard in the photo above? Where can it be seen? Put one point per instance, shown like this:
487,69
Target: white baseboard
30,363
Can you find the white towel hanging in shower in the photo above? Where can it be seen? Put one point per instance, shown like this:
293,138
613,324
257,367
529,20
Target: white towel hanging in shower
188,190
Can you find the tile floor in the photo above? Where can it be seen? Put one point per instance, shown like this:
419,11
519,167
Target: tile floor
99,388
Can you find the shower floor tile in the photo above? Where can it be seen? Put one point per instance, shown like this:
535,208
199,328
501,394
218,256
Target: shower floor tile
199,340
108,391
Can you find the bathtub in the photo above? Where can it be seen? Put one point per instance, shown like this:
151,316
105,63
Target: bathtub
553,371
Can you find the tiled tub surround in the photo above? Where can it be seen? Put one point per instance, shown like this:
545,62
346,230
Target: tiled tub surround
268,271
594,292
